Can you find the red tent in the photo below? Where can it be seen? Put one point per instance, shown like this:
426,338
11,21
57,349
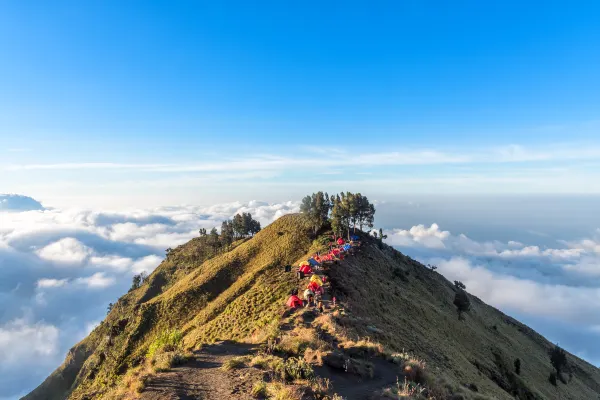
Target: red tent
340,241
294,302
306,269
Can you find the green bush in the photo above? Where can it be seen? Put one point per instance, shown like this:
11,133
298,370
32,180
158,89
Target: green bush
259,390
297,368
166,341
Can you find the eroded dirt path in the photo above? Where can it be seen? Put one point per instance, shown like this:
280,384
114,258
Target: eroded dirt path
203,379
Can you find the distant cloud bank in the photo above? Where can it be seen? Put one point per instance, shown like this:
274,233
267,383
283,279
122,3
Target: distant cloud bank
15,202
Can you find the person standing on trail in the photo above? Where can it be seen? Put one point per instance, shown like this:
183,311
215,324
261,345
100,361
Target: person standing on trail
308,293
310,300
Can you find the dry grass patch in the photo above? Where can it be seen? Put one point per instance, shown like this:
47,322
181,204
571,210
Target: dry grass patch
298,340
234,363
165,361
269,362
259,390
362,348
314,357
280,391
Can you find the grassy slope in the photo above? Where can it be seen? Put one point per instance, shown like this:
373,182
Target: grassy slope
228,296
232,295
417,314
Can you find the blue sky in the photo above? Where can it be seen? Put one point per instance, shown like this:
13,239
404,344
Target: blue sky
474,125
441,92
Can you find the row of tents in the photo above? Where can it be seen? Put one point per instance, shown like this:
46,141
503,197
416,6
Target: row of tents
315,285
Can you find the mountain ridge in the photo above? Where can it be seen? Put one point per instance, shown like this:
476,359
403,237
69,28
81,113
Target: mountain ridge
387,297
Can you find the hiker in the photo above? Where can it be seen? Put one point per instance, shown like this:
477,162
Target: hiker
310,300
315,288
308,293
334,301
294,302
294,292
320,307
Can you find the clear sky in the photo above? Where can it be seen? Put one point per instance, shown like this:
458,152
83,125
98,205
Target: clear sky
203,101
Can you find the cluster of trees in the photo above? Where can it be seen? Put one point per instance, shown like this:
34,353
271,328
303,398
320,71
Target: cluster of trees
345,211
242,225
138,280
558,359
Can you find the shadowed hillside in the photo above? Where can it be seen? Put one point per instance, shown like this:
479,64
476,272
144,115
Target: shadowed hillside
392,311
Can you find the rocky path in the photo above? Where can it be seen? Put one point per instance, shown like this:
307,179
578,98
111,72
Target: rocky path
203,378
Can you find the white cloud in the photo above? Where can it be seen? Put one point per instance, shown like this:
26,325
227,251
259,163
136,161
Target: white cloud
22,342
570,304
98,280
51,283
346,158
67,250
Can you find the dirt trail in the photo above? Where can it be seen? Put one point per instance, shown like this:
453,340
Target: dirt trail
202,378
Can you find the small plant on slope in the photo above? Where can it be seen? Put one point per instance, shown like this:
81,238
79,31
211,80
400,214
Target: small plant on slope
168,340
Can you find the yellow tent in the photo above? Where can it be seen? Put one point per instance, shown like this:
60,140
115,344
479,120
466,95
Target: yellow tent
315,278
304,263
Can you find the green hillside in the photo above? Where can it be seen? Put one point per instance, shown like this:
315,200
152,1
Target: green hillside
392,308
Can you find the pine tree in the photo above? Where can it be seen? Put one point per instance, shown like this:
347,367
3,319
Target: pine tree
213,238
558,358
238,226
316,207
227,232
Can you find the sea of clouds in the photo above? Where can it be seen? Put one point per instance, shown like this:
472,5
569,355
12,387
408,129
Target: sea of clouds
60,269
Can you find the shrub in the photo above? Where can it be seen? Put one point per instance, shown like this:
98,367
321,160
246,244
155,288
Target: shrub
259,390
278,391
518,366
233,363
165,361
269,362
166,341
414,371
297,368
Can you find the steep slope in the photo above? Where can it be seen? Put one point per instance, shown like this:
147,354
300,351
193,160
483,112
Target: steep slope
412,309
386,298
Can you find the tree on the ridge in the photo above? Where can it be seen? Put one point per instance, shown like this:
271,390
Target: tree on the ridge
227,232
462,302
366,212
338,215
558,358
381,237
351,211
238,226
316,207
459,285
202,232
138,280
213,238
254,227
